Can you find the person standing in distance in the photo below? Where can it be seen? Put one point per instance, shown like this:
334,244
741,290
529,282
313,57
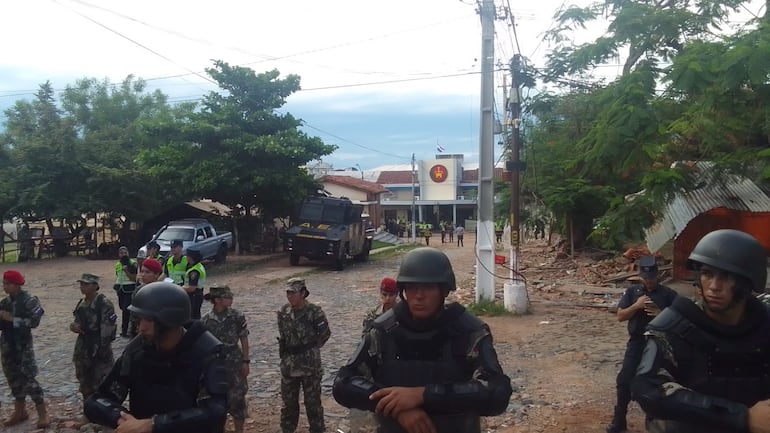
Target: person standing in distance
195,281
460,233
425,366
173,373
229,326
302,331
20,312
95,323
388,298
125,284
639,304
176,265
706,366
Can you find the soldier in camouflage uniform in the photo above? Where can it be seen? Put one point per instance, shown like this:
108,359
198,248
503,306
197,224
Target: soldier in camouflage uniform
302,330
388,298
95,322
19,313
229,326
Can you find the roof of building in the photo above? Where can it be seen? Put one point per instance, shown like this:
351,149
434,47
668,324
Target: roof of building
715,190
473,175
355,183
394,177
212,207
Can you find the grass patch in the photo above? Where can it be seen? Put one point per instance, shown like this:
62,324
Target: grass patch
401,249
488,308
379,244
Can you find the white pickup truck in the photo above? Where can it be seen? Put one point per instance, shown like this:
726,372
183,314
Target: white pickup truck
196,233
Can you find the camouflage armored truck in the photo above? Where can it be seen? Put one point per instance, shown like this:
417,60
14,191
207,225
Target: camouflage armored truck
329,229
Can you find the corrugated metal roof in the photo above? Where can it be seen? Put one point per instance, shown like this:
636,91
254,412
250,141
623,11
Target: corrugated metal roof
718,190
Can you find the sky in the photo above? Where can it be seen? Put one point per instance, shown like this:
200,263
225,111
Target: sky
380,80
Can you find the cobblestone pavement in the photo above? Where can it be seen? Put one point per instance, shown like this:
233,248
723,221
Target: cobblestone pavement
552,356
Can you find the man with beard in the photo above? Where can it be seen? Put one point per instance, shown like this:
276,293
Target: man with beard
706,366
638,306
425,366
173,373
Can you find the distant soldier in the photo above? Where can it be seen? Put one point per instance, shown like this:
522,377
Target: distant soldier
302,330
229,326
195,281
149,272
19,313
388,298
125,284
95,322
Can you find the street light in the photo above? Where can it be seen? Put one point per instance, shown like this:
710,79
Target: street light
361,170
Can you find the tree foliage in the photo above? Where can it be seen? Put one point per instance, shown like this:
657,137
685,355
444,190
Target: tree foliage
688,91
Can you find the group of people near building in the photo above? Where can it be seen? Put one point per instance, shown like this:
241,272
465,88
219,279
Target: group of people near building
422,365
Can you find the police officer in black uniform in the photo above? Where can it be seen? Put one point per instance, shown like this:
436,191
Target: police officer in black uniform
173,372
706,366
425,366
639,305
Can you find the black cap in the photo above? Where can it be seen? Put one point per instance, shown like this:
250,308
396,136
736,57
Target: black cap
153,244
177,243
648,267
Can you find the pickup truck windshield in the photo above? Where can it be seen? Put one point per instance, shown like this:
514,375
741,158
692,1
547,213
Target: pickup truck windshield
177,233
325,214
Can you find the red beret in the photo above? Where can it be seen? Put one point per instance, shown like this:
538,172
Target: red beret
14,277
153,265
388,285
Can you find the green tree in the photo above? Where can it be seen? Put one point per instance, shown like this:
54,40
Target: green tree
239,149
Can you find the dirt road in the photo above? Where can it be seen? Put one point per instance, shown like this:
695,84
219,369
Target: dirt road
562,357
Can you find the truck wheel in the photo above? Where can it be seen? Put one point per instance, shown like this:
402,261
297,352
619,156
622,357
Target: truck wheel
221,256
364,255
293,259
340,262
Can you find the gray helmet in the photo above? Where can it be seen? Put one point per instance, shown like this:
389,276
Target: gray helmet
426,265
732,251
166,303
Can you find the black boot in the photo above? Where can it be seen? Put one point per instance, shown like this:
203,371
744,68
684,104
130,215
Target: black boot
618,424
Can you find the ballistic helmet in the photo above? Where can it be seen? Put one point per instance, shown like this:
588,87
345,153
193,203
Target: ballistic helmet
732,251
426,265
166,303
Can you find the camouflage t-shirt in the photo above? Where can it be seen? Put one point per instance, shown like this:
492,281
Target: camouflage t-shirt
302,333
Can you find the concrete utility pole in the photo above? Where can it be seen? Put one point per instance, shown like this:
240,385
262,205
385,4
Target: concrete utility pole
414,224
485,228
515,165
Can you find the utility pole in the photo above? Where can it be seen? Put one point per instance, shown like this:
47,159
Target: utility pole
414,224
514,165
485,228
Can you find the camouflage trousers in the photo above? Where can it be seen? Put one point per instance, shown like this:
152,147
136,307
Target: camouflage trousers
237,386
20,370
311,388
90,373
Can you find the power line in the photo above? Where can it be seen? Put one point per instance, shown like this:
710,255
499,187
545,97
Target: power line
135,42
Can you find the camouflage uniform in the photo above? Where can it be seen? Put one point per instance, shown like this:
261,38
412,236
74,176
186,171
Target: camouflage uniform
229,327
302,333
93,356
369,318
16,350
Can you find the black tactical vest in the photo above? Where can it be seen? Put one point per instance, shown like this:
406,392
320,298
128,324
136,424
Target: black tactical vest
433,356
162,382
735,367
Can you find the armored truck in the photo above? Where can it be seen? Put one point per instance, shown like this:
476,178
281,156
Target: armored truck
329,229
